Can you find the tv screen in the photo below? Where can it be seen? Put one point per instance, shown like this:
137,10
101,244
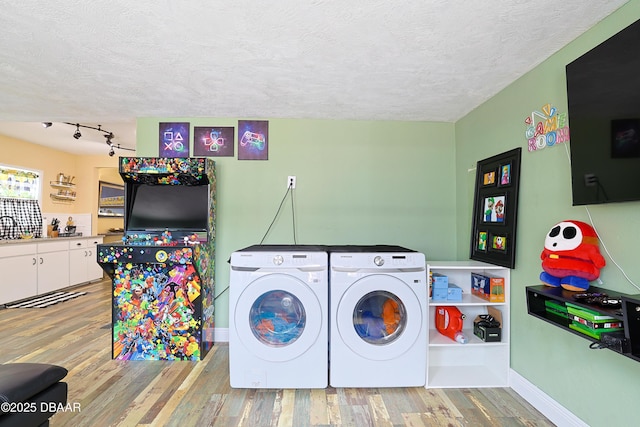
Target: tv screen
174,207
603,90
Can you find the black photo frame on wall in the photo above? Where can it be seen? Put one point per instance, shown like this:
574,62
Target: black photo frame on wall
495,208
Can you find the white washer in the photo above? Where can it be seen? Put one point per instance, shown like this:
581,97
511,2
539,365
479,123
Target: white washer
378,309
278,317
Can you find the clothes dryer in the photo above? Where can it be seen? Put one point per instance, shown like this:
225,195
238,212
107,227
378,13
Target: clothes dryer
378,307
278,317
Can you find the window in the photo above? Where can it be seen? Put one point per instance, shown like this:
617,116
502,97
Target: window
20,214
18,183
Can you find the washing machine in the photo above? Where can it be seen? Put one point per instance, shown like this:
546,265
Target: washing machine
278,317
378,309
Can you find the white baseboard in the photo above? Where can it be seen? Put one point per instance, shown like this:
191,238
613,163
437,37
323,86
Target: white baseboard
220,334
551,409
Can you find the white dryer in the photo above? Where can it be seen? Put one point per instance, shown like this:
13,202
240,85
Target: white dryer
278,317
378,307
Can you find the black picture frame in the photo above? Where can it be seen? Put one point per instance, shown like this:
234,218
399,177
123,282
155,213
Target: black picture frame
110,199
495,209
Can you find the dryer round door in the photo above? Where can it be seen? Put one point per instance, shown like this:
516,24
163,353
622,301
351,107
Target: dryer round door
278,317
379,317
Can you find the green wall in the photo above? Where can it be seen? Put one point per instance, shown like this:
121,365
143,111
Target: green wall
358,182
557,362
412,184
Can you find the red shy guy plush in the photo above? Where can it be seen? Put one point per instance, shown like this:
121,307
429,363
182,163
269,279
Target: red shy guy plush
571,256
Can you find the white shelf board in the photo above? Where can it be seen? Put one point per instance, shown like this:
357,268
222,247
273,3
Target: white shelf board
436,339
470,376
462,265
467,299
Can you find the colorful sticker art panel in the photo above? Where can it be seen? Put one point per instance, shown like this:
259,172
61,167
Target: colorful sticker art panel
162,166
164,171
253,139
156,312
174,139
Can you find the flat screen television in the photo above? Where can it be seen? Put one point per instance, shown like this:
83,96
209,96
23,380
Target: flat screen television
154,208
603,90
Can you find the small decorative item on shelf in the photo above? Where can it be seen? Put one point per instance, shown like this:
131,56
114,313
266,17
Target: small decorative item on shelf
571,256
65,179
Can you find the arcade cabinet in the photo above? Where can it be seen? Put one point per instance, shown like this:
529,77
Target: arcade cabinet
163,271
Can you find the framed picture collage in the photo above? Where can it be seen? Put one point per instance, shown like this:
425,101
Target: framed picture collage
495,209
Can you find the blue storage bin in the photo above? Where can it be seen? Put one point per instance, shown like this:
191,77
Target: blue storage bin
439,294
454,293
439,281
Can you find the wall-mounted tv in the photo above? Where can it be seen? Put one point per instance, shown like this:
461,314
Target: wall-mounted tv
154,208
603,90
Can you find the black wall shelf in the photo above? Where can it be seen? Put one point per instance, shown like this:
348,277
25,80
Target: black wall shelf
628,313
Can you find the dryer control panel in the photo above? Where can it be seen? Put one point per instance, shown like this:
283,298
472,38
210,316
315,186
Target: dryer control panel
392,260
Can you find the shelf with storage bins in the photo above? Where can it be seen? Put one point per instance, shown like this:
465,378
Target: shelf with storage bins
66,191
476,363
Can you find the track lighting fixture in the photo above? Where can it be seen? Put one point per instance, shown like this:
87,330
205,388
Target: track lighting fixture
77,133
108,135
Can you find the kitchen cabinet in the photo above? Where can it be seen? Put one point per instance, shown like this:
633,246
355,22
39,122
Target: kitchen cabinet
53,265
19,267
38,266
476,363
83,261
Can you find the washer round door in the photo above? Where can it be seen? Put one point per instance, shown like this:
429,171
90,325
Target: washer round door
278,317
379,317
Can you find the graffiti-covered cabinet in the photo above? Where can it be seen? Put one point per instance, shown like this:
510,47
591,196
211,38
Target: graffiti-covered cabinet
163,271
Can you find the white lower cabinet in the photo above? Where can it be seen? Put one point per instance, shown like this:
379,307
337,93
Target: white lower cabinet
46,265
83,264
475,363
19,267
53,266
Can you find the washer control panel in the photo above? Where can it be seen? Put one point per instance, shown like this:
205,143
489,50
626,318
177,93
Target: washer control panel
394,260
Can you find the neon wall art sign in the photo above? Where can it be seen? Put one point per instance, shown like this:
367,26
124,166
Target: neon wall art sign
174,139
546,128
253,140
213,141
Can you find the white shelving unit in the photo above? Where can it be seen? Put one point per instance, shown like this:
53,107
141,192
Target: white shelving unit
475,363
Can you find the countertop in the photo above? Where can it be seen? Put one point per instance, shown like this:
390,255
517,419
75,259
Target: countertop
41,239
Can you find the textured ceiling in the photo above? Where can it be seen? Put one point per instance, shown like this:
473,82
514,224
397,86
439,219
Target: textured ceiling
112,61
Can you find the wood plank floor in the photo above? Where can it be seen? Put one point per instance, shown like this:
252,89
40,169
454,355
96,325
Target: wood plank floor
77,335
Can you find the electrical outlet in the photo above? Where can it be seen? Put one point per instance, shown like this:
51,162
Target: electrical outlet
291,181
